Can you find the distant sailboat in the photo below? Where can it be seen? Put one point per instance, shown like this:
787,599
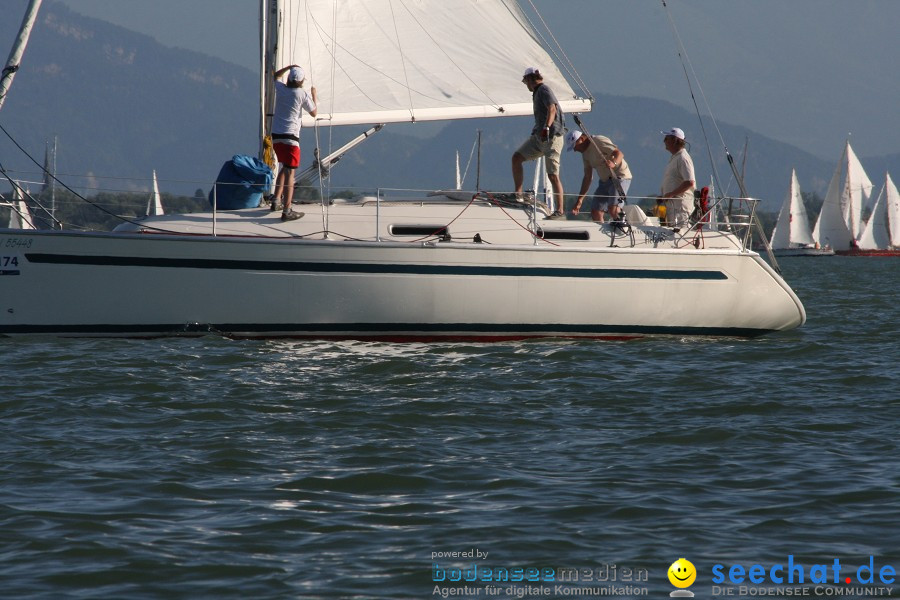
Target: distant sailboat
839,223
154,204
19,215
791,236
881,236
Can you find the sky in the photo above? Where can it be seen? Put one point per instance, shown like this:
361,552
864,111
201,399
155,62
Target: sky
805,72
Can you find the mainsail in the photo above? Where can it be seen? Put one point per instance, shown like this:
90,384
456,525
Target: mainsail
850,190
793,224
382,61
883,228
892,198
154,203
857,193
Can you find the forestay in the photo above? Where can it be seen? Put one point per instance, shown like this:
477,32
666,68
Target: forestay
382,61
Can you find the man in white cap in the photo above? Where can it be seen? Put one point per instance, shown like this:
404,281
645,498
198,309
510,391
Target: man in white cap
290,102
599,153
677,189
546,138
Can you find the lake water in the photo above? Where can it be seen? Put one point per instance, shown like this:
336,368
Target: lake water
211,468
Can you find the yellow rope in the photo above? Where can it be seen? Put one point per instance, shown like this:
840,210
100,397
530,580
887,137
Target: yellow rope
269,152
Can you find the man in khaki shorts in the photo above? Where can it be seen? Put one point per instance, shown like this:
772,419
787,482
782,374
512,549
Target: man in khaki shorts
546,138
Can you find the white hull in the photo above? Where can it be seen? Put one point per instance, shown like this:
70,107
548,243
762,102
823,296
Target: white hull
139,284
803,252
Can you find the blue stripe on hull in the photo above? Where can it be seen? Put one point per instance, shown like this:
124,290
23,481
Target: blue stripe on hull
375,268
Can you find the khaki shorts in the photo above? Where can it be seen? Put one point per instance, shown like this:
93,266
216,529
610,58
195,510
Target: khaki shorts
534,148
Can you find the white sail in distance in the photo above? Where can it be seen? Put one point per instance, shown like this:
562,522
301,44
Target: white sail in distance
831,229
883,228
850,189
857,193
792,227
382,61
154,203
875,235
892,200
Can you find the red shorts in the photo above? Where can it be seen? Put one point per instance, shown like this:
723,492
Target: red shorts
288,155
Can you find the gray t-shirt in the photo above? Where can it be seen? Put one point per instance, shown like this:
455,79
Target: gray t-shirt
543,97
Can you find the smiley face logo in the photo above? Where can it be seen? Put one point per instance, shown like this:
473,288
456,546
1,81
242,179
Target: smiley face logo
682,573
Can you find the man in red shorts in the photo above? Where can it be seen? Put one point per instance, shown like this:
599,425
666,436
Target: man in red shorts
290,102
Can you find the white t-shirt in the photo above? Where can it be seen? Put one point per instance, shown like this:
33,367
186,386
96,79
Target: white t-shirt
289,105
679,170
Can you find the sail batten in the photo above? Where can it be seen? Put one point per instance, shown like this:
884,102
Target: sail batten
380,61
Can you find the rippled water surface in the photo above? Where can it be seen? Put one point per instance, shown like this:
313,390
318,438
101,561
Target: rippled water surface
210,468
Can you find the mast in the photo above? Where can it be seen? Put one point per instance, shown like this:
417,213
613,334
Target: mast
18,49
270,16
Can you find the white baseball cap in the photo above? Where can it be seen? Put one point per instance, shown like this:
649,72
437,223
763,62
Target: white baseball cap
296,74
674,132
571,138
531,71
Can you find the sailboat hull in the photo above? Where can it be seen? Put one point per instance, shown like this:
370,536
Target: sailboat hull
781,252
133,284
861,252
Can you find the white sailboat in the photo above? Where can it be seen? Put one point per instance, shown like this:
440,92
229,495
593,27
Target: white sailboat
881,237
19,214
154,203
399,265
791,236
840,220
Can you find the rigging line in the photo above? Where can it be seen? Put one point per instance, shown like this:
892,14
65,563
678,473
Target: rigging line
412,112
452,221
308,39
23,193
73,192
469,162
533,234
292,50
333,94
682,56
309,54
322,202
570,67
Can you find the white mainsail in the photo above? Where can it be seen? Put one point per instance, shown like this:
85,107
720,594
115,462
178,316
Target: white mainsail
154,204
892,201
19,215
883,228
792,228
850,189
382,61
857,193
875,235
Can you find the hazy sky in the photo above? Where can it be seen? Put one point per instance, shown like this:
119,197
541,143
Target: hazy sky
807,72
